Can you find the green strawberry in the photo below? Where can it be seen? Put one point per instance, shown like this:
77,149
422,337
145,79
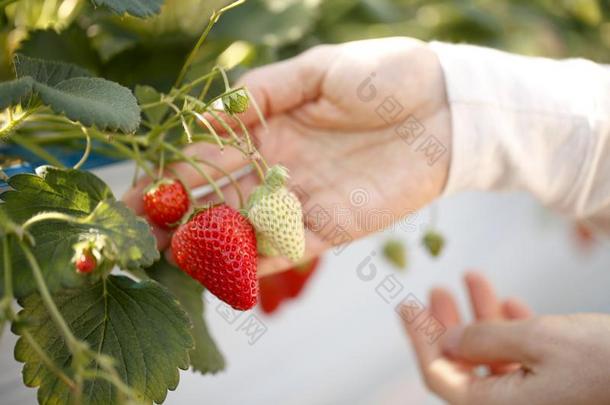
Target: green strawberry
277,216
236,102
433,242
394,251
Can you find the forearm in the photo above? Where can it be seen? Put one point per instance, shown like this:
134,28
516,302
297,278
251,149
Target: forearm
532,124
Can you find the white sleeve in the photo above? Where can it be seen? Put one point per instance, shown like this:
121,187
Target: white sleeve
535,124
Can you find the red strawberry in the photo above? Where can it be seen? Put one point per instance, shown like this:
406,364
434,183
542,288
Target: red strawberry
166,202
271,292
86,262
217,247
276,288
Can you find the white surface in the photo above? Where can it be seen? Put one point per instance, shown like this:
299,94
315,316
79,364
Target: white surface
342,344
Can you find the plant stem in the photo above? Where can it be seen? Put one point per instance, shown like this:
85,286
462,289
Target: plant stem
226,126
191,57
228,175
8,270
225,79
195,166
46,360
59,320
13,124
210,128
259,171
36,150
49,216
141,163
85,156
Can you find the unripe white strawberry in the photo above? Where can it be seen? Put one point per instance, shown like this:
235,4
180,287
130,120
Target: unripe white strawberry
277,216
265,247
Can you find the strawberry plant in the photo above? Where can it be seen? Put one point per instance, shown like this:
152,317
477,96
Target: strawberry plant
101,317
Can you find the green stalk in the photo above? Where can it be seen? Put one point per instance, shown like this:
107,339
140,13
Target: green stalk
49,216
59,320
8,270
191,57
13,124
46,360
228,175
8,292
195,166
85,156
37,150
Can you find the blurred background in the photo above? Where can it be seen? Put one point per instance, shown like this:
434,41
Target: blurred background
339,341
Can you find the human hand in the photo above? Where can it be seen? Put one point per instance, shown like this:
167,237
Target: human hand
531,360
325,130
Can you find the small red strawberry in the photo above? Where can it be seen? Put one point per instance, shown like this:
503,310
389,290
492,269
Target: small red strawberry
166,202
85,262
276,288
217,247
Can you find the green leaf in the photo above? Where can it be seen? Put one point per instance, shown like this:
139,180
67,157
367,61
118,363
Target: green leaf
126,238
137,8
139,324
205,357
93,101
45,71
73,192
14,92
71,45
7,226
148,94
130,242
69,90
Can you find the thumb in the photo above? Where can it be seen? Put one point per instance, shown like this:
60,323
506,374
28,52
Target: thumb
492,342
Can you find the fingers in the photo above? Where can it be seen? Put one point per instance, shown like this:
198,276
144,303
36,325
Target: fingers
442,309
483,300
442,376
492,342
513,308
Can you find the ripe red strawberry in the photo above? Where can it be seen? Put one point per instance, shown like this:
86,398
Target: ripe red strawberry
276,288
217,247
166,202
85,262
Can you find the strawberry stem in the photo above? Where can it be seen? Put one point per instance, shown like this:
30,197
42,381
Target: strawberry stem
228,175
213,19
49,216
197,168
85,156
45,295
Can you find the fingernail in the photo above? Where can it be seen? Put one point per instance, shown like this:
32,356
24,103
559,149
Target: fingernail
451,342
